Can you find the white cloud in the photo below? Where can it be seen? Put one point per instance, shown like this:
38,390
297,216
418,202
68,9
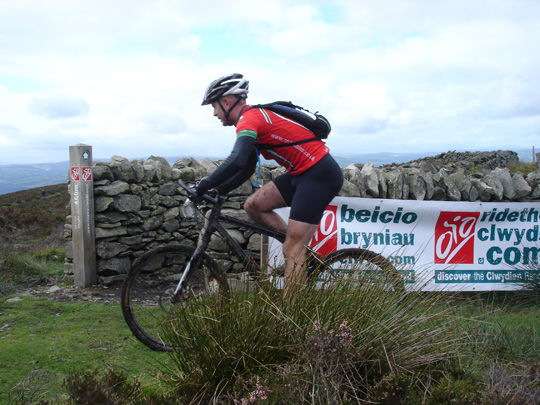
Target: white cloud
58,106
518,97
128,76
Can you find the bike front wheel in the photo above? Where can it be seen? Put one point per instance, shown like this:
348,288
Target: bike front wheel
361,267
148,292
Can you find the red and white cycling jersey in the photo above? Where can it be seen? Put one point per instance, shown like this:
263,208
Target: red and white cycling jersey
269,128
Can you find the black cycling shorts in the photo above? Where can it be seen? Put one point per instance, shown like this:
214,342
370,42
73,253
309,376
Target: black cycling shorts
309,193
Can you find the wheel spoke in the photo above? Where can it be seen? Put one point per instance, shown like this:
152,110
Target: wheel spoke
148,292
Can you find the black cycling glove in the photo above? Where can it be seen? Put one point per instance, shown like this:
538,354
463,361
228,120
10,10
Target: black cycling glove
193,193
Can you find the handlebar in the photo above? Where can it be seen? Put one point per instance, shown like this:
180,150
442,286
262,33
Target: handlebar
205,197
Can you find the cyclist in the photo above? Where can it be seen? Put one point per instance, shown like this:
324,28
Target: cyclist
312,180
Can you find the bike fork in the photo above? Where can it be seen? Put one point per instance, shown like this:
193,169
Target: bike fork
204,239
192,262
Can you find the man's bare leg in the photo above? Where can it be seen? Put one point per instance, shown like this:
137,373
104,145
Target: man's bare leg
260,207
294,249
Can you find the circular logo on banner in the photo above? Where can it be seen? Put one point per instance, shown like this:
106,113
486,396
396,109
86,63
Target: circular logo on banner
86,155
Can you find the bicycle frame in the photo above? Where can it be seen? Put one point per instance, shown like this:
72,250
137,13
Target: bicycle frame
212,223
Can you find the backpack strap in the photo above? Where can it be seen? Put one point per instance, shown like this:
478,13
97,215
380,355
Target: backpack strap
256,184
264,146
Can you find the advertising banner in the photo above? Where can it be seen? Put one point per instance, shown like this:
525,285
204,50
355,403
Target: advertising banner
438,245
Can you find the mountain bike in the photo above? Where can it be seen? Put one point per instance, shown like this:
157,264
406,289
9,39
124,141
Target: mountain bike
174,274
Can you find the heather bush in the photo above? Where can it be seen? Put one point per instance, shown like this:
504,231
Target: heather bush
18,271
111,387
328,345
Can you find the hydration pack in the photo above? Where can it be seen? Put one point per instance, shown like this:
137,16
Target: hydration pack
315,122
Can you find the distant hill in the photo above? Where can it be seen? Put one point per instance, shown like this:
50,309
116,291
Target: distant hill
33,219
23,177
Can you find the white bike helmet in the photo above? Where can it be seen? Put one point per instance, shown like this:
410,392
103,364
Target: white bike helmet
233,84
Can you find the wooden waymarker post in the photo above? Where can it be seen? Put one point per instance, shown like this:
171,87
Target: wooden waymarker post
82,215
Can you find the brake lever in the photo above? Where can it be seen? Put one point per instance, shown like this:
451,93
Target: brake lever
205,197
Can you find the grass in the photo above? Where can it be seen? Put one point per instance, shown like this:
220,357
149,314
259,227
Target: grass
333,345
30,221
57,339
19,271
340,345
523,167
254,347
348,344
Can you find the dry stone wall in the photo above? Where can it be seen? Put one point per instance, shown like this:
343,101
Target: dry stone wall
137,202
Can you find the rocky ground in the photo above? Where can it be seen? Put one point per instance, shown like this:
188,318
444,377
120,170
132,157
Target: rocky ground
63,293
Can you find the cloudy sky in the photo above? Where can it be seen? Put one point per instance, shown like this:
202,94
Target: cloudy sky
128,76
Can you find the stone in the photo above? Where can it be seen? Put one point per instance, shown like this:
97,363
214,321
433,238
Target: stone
504,176
439,187
149,173
171,213
115,265
110,280
349,189
101,171
208,165
69,269
189,162
168,189
171,225
115,188
383,188
137,203
417,185
482,189
110,217
239,214
497,190
106,250
277,172
189,175
254,242
69,249
521,187
473,194
218,244
152,223
371,180
102,233
452,191
135,189
131,240
352,174
394,181
462,182
127,203
164,162
138,171
535,195
244,189
147,195
168,201
175,174
122,169
102,203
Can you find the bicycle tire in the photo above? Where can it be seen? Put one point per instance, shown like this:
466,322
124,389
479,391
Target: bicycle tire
364,266
149,286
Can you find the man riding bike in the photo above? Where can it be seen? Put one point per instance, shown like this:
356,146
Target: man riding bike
312,180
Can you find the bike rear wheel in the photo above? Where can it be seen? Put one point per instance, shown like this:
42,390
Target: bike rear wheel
362,267
148,290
